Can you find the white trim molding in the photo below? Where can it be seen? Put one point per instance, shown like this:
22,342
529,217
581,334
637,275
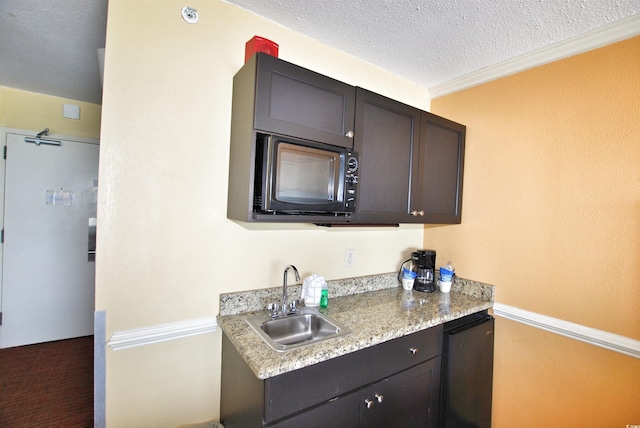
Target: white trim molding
603,339
161,333
614,32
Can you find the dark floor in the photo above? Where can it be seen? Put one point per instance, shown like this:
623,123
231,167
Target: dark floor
47,385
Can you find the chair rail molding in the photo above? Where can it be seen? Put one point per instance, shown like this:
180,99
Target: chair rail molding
593,336
161,333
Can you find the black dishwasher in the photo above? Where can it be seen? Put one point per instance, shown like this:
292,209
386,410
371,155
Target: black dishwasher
467,372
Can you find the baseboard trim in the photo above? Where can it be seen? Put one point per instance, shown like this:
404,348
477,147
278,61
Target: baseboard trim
614,32
161,333
603,339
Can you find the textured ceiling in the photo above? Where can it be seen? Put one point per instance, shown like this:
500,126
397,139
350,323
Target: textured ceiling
49,46
431,42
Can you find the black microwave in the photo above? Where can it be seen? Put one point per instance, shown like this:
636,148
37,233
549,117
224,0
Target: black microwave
303,177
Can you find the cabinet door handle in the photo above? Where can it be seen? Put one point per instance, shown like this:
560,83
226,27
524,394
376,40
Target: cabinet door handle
380,397
349,134
417,213
413,351
368,403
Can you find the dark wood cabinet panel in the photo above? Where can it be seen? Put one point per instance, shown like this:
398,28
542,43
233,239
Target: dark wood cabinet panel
408,399
318,383
242,395
275,97
438,192
341,412
387,134
387,382
407,351
291,100
411,163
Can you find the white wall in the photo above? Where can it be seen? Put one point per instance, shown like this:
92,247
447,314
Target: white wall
165,248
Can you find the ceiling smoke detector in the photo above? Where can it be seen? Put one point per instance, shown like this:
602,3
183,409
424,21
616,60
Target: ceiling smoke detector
190,14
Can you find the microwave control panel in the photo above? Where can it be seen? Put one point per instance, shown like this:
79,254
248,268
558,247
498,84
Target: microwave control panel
351,181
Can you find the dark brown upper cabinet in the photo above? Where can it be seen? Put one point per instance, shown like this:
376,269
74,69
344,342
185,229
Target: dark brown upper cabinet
411,163
294,101
440,165
387,135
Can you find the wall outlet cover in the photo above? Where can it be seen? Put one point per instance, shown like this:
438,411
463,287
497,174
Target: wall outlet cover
349,257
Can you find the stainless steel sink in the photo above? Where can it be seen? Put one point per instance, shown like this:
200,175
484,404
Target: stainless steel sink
293,331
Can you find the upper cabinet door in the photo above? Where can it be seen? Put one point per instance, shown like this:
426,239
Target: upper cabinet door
294,101
437,190
387,134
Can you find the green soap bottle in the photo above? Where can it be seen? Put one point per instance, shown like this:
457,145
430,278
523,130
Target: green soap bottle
324,298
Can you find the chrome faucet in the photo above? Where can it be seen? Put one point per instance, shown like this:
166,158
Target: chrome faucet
285,306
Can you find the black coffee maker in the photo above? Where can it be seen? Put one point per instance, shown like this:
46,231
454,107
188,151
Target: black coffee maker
424,265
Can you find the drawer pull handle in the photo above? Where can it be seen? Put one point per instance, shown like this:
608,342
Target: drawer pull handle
368,403
380,397
413,351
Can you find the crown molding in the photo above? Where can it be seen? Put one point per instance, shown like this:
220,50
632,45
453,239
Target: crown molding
614,32
592,336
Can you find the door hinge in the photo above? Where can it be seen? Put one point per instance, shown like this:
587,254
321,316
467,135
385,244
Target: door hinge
5,152
2,237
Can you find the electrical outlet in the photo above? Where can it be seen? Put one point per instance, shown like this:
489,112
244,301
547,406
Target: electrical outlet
349,257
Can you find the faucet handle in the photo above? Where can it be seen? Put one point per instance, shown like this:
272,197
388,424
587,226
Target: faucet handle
293,306
274,308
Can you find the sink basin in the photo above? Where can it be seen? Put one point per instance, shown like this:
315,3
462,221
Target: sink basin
293,331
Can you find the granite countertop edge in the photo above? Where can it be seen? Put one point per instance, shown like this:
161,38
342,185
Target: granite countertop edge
375,308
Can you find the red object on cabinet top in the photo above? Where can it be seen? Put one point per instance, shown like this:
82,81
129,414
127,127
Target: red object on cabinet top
260,44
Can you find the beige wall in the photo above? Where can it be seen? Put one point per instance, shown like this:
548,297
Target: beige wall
550,211
551,216
30,111
165,248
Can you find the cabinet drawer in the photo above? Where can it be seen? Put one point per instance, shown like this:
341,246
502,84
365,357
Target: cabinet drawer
340,412
317,383
407,351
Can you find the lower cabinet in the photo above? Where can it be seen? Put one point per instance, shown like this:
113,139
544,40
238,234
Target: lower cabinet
395,383
406,399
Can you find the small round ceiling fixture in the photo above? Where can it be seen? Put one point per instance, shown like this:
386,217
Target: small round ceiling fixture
190,14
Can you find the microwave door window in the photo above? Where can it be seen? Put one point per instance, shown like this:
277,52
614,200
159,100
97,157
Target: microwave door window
305,175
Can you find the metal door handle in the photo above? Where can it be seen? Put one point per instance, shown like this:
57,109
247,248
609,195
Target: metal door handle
368,403
413,351
91,254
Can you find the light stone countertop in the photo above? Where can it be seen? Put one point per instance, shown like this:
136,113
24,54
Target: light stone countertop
375,308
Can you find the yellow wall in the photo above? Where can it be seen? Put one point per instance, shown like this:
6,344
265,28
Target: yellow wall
551,216
165,249
31,111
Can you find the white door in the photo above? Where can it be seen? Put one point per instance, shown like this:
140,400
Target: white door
47,277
